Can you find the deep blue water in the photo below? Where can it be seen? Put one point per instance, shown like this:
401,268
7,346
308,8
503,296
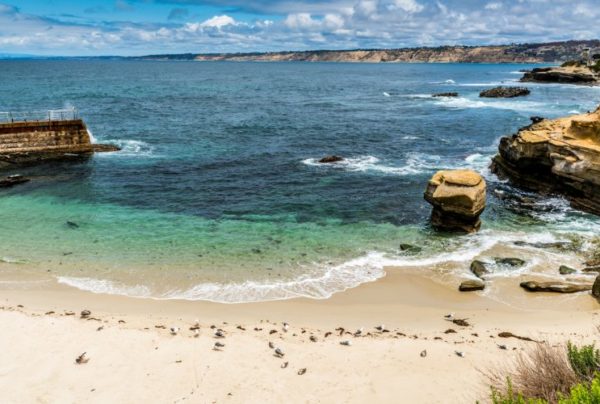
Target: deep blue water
217,181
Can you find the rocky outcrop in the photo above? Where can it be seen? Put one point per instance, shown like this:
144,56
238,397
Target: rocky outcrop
556,156
13,180
505,92
38,141
596,288
555,287
451,94
458,198
331,159
566,74
566,270
479,269
471,285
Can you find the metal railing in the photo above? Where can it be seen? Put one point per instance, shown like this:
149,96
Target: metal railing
37,116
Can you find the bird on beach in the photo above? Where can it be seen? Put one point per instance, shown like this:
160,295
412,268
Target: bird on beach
284,365
279,353
196,333
380,328
271,345
313,338
502,346
218,346
449,316
423,353
359,332
302,371
286,326
174,330
85,313
459,353
81,359
346,343
219,334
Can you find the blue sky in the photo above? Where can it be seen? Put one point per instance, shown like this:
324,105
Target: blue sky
136,27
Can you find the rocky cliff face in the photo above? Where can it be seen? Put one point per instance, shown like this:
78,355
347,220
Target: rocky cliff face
568,74
556,156
31,142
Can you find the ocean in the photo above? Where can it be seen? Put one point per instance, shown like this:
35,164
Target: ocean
217,194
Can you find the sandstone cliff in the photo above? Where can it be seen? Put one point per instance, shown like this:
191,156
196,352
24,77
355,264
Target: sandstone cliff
556,156
520,53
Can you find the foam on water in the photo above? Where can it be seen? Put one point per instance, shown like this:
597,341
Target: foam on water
131,148
465,103
416,163
105,286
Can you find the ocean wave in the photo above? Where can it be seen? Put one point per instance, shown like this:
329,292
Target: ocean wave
416,163
130,148
320,285
466,103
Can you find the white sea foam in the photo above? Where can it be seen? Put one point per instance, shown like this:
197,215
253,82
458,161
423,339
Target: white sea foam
105,286
130,148
450,81
10,260
408,137
385,94
416,163
465,103
92,138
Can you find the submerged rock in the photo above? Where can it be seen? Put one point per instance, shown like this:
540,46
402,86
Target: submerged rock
331,159
471,285
556,156
513,262
13,180
479,269
410,248
458,198
450,94
556,287
561,245
505,92
566,270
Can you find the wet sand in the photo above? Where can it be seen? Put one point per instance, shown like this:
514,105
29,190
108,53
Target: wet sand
134,357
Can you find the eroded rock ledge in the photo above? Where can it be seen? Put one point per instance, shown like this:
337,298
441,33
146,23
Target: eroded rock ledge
556,156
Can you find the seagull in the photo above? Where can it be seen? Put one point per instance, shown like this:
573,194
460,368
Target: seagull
279,352
302,371
85,313
196,323
218,346
81,359
174,330
358,332
271,345
346,343
313,338
449,316
286,326
219,334
424,353
502,346
196,333
380,327
284,365
459,353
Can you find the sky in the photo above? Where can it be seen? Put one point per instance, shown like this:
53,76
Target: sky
140,27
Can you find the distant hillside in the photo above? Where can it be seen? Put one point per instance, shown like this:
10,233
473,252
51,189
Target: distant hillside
519,53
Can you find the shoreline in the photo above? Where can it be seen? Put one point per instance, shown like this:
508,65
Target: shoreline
380,365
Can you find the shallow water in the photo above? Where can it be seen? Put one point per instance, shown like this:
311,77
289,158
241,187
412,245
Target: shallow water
217,194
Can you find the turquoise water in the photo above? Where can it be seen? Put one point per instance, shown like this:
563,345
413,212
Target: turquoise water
217,194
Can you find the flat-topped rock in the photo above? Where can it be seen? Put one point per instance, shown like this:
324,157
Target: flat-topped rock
505,92
458,198
555,287
572,73
556,156
471,285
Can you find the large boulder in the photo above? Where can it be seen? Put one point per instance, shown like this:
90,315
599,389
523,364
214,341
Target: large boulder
458,198
505,92
556,156
331,159
555,287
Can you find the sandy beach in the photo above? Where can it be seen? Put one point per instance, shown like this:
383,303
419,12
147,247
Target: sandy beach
133,357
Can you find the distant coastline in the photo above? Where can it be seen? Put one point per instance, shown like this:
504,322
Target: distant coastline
552,52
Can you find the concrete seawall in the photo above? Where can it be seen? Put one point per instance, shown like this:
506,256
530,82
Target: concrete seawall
34,142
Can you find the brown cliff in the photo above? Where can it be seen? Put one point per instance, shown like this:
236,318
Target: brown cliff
556,156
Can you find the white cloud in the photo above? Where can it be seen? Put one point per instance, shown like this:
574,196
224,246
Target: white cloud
493,6
218,21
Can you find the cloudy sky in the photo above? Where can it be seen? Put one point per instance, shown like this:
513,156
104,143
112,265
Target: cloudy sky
135,27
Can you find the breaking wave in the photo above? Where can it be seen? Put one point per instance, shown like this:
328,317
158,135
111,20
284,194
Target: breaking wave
416,163
131,148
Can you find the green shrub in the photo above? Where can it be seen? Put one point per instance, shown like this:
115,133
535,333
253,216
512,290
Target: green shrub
510,397
596,67
584,361
583,393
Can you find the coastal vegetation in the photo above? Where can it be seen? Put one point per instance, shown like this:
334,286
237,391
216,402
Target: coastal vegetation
548,375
